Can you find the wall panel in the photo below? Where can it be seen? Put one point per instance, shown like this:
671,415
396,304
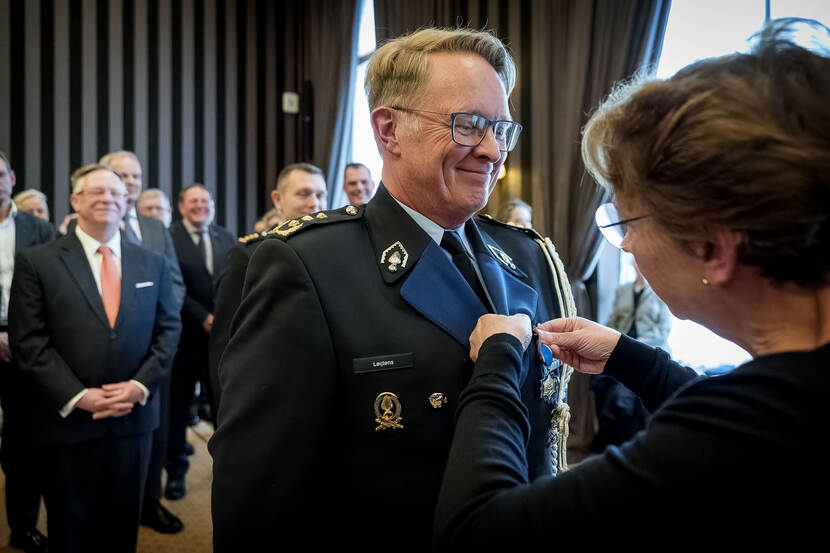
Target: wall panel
193,87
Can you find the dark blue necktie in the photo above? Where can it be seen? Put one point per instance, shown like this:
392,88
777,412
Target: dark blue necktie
464,263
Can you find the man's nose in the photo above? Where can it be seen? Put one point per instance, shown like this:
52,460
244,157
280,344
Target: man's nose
489,147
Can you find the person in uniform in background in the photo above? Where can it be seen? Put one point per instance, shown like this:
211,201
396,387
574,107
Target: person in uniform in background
300,190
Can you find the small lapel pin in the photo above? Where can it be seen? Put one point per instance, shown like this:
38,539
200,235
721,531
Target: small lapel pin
437,400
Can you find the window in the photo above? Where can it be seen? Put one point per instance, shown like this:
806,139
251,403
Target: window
364,150
698,29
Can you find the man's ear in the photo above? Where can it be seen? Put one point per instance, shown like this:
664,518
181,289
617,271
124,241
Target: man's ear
73,201
181,209
385,125
276,199
13,178
720,256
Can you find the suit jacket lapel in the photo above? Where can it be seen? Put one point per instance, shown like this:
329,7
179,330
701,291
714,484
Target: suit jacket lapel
132,237
433,285
191,250
128,279
438,291
21,233
502,277
73,256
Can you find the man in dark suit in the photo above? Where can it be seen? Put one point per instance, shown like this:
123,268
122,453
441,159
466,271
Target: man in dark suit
201,248
300,190
350,347
20,458
152,235
93,326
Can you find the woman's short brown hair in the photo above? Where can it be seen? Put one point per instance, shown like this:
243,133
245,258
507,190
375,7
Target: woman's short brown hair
741,142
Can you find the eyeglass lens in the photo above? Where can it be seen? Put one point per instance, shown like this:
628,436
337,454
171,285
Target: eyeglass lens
469,129
607,215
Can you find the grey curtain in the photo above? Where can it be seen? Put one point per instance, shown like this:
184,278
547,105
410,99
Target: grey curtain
331,65
396,17
590,45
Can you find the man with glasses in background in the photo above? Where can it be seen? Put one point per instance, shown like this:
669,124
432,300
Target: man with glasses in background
93,324
350,346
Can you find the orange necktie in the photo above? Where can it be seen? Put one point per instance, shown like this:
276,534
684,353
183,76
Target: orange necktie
110,284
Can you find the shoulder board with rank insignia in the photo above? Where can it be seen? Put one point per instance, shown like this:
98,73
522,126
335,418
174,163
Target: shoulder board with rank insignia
253,237
484,217
292,226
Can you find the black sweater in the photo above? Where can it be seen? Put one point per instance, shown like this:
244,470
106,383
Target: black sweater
741,453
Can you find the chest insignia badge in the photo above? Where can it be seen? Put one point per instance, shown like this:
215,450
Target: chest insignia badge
437,400
503,258
388,411
396,255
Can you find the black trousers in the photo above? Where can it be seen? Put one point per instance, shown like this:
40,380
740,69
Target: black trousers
158,452
21,459
182,387
94,492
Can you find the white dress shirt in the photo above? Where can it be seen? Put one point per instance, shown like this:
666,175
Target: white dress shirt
8,234
194,235
96,259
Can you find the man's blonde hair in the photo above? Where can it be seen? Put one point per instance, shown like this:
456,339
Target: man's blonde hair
399,68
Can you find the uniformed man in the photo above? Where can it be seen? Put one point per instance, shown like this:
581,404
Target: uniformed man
358,184
350,347
300,190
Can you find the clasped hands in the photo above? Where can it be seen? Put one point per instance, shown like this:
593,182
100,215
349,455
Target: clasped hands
111,400
578,342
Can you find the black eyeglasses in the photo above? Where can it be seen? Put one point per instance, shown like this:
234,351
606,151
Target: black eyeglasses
469,129
611,226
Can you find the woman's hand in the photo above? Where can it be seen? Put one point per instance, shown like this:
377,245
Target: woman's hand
516,325
582,344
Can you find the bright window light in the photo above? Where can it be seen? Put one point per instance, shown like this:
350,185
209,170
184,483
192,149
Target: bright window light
364,150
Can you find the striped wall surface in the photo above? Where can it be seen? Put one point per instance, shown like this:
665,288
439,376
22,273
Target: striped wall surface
192,86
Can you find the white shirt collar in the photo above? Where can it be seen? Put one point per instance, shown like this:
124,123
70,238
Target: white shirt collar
91,245
12,213
131,213
433,229
192,229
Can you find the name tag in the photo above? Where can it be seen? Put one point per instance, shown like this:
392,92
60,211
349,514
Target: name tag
383,363
143,284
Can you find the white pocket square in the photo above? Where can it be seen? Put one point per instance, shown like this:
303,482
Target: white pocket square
143,284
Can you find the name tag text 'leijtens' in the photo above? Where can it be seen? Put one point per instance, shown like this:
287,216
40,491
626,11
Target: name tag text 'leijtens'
383,363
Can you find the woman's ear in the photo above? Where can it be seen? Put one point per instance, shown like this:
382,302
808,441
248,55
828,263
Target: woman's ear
720,256
385,125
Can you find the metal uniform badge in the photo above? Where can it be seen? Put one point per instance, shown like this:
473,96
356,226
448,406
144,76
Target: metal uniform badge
396,255
388,411
437,400
501,256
